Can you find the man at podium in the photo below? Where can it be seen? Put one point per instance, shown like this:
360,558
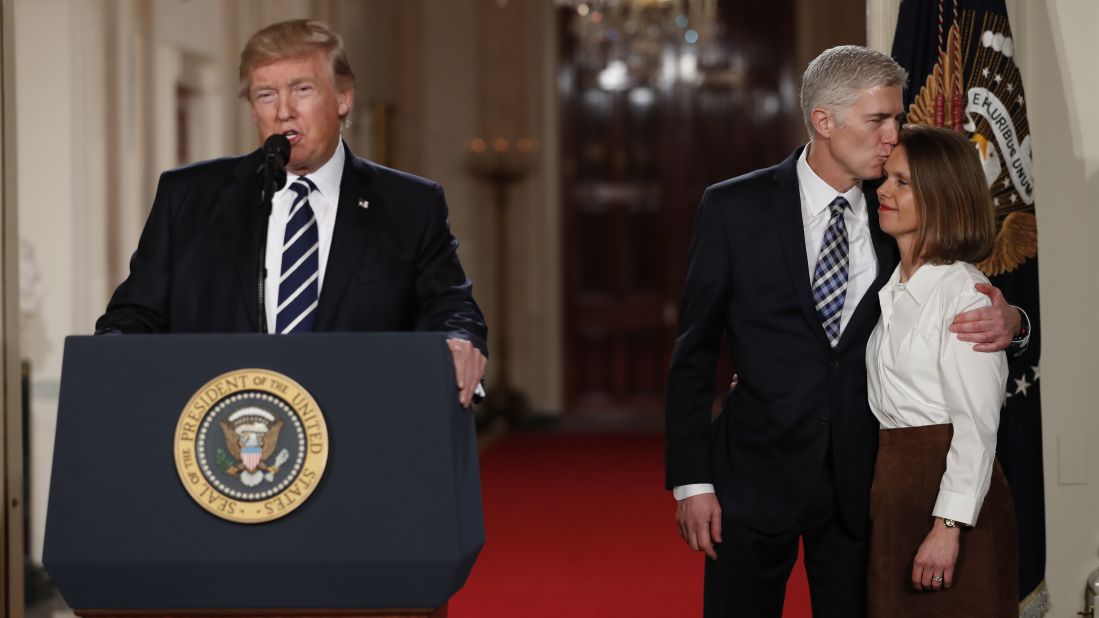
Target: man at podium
350,245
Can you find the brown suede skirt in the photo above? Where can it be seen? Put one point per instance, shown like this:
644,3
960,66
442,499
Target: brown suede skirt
910,465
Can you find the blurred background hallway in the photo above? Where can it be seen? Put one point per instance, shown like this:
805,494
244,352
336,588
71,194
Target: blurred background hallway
574,139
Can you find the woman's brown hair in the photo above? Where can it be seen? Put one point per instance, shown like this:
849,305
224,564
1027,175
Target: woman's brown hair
957,221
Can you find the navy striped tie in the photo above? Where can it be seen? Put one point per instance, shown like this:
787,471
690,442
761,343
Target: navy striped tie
298,286
830,275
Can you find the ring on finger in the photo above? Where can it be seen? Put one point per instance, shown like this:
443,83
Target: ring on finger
937,579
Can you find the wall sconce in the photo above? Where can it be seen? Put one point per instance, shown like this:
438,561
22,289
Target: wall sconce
502,162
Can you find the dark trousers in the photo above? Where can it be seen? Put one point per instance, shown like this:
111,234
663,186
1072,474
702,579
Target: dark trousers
748,579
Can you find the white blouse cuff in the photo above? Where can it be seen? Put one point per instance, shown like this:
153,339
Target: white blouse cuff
959,507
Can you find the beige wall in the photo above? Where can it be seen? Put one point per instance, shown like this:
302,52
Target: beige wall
11,423
1057,46
517,55
1056,50
50,224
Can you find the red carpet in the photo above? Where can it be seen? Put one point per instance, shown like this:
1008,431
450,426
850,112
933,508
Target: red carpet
579,525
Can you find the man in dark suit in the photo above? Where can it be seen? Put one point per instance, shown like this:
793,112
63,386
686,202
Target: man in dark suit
350,245
787,262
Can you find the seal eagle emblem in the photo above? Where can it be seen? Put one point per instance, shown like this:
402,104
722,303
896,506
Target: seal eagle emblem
975,88
251,445
251,435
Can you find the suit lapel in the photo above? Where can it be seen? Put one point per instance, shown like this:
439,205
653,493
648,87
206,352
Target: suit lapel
352,237
786,204
242,198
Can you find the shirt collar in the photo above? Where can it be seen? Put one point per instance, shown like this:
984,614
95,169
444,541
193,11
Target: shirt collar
924,281
328,177
818,194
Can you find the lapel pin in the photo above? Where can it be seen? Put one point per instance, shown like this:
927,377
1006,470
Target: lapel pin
363,203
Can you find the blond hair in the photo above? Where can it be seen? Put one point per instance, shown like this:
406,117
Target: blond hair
291,39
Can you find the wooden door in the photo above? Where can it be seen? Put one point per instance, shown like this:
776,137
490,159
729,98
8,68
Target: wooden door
636,156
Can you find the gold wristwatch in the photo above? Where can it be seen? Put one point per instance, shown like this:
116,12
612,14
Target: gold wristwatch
949,523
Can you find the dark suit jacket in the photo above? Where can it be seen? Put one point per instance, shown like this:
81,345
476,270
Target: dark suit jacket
392,266
749,278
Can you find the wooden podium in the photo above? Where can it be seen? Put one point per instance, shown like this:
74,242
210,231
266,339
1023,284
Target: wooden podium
392,527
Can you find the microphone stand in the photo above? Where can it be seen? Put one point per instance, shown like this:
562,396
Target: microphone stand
274,176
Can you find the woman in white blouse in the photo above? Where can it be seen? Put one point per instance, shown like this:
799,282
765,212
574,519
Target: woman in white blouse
942,539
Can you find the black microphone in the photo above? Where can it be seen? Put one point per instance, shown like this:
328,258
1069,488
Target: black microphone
276,154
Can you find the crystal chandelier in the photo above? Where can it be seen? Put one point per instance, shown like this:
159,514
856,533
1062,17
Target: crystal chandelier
652,43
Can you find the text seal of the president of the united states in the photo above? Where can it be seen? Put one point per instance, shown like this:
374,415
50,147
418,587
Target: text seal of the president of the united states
251,445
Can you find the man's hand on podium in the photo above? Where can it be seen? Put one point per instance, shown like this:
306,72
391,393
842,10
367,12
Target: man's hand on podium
469,366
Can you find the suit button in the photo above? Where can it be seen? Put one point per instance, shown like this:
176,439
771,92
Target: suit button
824,421
834,364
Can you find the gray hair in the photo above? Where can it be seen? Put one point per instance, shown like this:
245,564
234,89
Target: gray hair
835,78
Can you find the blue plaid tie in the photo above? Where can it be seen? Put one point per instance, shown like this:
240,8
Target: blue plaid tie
830,275
298,289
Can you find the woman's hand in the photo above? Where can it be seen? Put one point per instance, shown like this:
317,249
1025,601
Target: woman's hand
933,568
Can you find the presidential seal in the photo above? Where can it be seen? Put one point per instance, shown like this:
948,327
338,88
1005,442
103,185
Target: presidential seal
975,88
251,446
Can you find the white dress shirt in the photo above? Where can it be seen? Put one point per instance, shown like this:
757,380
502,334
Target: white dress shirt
862,262
919,373
323,201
